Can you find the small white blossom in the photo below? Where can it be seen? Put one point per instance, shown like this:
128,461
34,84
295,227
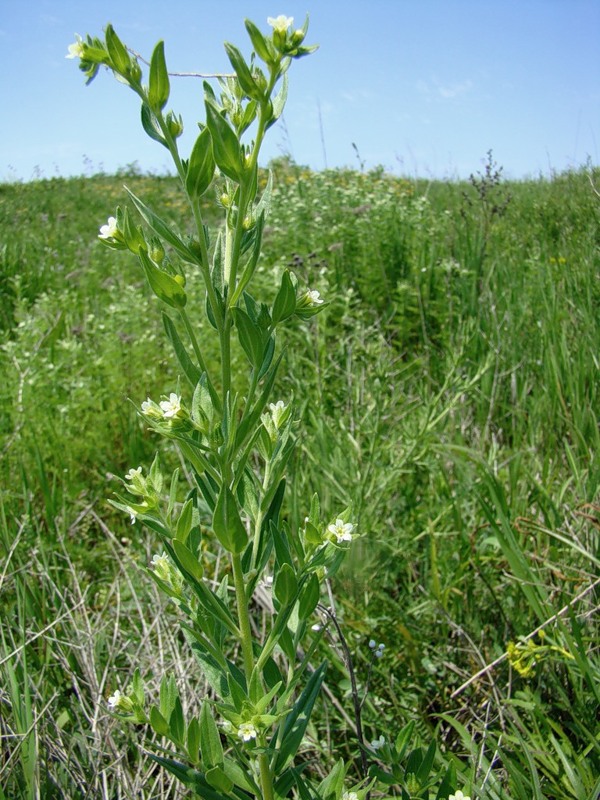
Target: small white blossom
132,515
172,406
341,530
280,23
114,700
316,627
377,744
314,297
372,644
133,474
349,796
150,409
458,795
247,731
76,49
110,230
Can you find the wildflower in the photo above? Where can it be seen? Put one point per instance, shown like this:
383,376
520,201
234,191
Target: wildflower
275,420
349,796
119,702
172,407
76,49
133,474
132,515
247,731
458,795
151,409
160,565
313,297
377,744
280,23
341,530
110,230
316,627
372,644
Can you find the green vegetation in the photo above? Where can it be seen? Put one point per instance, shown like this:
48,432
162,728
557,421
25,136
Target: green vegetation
451,395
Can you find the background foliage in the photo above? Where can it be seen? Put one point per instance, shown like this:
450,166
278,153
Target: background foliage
451,394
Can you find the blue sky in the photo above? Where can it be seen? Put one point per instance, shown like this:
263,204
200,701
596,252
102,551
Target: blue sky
422,87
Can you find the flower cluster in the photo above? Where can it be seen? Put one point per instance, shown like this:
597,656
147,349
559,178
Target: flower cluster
377,648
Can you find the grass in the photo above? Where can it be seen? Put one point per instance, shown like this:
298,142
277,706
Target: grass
450,393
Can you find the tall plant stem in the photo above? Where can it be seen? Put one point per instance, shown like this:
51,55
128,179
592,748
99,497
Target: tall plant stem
243,616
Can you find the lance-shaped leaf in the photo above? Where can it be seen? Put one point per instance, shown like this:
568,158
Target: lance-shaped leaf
190,370
201,166
119,57
297,720
210,740
285,301
309,597
226,147
159,88
263,47
151,126
162,229
188,561
190,777
227,524
242,70
164,286
251,336
278,102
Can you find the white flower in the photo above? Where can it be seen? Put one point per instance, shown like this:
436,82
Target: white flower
247,731
377,744
349,796
314,297
133,474
132,515
172,406
341,530
160,562
110,230
458,795
280,23
76,49
150,409
114,699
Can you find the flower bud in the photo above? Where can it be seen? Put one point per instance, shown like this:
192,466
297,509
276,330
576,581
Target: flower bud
174,124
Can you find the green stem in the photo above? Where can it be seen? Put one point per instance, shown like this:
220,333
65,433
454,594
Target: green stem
266,778
194,341
243,616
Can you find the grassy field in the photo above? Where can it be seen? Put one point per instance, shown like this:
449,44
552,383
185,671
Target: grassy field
450,393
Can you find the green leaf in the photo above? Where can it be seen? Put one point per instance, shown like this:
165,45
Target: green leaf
187,559
279,101
158,89
250,267
201,166
202,411
227,524
219,780
120,60
286,584
250,336
285,301
188,776
162,229
262,46
184,523
240,777
168,696
164,286
297,720
193,740
158,723
190,370
151,126
226,147
333,784
210,740
309,597
244,76
177,723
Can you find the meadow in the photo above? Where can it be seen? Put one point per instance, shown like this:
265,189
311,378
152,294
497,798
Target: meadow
449,393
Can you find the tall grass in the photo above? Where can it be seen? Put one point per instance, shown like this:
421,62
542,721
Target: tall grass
451,394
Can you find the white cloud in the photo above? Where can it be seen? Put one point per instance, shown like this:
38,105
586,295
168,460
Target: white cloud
436,89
